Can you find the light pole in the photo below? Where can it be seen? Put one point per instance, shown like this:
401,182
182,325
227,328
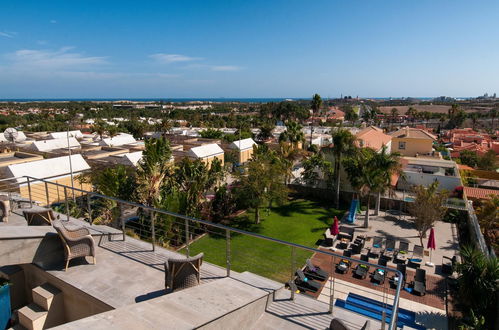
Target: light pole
70,165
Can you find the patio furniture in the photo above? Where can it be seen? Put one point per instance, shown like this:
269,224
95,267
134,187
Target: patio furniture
305,284
39,217
417,256
379,276
395,279
329,238
4,208
343,244
419,284
375,250
358,245
315,272
362,270
402,252
338,324
343,266
389,250
346,232
183,273
448,264
77,242
347,253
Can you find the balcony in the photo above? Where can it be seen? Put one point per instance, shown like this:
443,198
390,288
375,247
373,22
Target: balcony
126,288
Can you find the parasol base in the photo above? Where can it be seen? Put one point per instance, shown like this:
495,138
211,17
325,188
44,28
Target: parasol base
430,264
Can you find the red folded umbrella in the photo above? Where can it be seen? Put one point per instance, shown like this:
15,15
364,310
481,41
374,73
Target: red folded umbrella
335,230
431,240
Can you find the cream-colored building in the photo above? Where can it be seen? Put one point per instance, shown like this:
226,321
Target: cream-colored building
207,153
412,142
243,149
55,170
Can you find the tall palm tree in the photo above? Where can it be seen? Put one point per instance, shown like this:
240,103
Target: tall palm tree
316,103
363,175
293,134
387,164
343,142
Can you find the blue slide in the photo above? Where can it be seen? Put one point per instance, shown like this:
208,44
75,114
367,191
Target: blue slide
353,210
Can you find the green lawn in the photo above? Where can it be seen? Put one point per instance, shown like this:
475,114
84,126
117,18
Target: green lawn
299,221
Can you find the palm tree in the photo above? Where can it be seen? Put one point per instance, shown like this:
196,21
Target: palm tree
387,164
266,132
394,112
293,134
489,219
343,142
412,113
363,175
316,103
493,115
478,284
99,128
164,127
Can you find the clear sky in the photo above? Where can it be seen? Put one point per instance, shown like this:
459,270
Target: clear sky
269,48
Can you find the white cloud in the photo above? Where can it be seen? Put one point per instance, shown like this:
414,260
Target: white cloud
172,58
6,34
52,59
53,21
225,68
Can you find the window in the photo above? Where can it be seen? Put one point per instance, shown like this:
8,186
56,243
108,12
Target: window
401,145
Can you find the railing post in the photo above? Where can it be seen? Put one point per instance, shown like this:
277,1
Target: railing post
122,219
153,230
331,287
29,193
187,248
47,193
227,251
89,209
293,269
67,202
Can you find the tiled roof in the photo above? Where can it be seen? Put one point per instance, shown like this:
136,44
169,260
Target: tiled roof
479,193
413,133
373,137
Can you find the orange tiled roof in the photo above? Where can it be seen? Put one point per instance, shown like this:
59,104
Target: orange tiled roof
373,137
413,133
479,193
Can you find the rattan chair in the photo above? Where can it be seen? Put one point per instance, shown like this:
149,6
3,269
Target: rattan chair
39,217
4,208
183,273
77,242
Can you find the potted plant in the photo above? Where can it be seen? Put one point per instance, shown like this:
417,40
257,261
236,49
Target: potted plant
5,311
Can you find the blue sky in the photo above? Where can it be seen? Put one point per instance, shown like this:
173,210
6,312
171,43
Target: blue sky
133,49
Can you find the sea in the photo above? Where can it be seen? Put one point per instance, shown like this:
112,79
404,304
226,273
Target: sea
181,100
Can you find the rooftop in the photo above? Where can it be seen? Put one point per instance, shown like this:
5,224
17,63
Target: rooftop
413,133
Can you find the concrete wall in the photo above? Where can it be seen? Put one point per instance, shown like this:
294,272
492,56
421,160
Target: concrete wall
412,146
77,304
245,155
207,160
413,178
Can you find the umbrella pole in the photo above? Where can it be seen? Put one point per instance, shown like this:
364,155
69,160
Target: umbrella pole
429,263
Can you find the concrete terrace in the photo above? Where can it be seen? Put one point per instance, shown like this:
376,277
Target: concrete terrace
125,288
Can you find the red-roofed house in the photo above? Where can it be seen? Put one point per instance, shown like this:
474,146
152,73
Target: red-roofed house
374,138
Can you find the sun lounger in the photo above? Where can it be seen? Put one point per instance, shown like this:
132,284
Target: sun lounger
417,256
306,284
343,266
402,252
389,250
315,272
362,270
375,250
379,276
419,284
403,269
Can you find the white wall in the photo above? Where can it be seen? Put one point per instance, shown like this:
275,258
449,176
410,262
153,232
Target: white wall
413,178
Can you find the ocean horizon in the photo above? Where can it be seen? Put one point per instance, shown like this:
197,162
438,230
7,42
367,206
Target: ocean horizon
194,99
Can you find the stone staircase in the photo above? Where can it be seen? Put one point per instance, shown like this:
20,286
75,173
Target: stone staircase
46,310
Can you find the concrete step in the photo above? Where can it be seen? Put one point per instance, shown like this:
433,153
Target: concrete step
258,281
44,295
32,317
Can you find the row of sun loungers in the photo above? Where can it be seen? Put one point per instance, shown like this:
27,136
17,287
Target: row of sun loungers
308,279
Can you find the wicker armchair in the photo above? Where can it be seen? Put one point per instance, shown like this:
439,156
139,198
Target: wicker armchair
77,242
4,208
39,217
182,273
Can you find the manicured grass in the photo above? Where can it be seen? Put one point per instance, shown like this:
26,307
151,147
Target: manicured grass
299,221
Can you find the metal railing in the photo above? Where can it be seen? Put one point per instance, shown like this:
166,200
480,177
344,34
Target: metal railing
46,192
